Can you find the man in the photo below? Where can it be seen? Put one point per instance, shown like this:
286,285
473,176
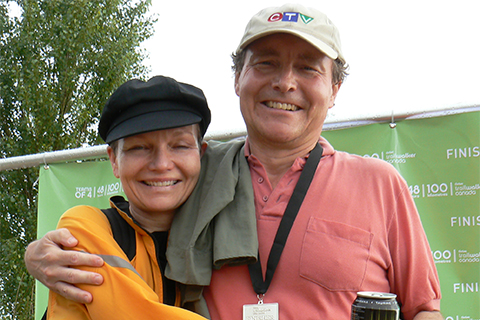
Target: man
356,229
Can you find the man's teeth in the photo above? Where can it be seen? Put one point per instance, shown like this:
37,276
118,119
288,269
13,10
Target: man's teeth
283,106
160,184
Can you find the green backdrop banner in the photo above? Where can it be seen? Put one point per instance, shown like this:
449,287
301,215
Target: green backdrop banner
62,186
439,158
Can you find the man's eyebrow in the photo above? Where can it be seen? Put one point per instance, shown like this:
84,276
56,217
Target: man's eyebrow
307,56
264,52
311,56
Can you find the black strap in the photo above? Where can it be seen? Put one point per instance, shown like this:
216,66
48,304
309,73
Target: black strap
123,233
259,285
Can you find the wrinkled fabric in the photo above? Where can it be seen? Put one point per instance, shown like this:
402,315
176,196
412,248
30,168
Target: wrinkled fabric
216,226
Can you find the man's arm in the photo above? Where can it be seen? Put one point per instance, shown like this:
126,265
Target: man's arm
428,315
47,262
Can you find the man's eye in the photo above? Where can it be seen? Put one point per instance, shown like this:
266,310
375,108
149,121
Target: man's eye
265,63
308,68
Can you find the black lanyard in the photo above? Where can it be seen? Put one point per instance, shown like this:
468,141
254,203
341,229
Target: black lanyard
259,285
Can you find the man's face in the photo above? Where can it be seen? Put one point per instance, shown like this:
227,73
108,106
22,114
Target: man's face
158,169
285,90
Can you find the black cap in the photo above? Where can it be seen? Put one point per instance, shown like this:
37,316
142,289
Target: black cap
160,103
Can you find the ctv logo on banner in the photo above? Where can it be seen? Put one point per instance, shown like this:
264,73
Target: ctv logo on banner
289,17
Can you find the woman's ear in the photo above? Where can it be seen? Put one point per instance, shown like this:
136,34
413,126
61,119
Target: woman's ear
203,148
113,161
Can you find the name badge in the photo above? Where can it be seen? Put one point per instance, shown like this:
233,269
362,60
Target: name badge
264,311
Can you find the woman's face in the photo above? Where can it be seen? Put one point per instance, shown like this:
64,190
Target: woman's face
158,169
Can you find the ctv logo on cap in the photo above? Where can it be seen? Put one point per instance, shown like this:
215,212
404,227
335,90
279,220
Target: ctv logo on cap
289,17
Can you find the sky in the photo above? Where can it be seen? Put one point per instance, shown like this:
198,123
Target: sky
405,57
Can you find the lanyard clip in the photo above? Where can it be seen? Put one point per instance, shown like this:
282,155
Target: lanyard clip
260,298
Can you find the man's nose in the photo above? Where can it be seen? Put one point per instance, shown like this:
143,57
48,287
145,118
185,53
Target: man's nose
285,80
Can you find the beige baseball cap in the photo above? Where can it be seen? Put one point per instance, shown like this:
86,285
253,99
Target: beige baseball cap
309,24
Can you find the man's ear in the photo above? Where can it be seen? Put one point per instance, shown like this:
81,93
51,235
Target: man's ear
335,88
237,87
113,161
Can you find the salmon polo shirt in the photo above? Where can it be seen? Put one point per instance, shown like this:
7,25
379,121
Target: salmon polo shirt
357,230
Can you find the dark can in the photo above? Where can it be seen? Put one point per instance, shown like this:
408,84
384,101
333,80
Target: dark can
375,306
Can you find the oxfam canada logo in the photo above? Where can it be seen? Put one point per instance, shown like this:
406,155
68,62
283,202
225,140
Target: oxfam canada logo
290,17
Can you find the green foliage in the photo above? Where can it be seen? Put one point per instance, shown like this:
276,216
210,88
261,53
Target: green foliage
16,230
59,62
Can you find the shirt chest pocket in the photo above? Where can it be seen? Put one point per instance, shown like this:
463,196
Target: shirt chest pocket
335,255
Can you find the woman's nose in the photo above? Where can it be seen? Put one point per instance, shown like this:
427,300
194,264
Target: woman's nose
161,160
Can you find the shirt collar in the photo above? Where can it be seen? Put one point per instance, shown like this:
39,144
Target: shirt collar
327,148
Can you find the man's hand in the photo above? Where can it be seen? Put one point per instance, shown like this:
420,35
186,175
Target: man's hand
47,262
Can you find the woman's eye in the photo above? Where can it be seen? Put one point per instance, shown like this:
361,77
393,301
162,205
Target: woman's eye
184,146
136,148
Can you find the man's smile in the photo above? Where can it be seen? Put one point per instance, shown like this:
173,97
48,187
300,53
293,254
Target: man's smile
282,106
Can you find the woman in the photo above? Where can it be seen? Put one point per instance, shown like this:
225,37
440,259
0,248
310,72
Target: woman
154,130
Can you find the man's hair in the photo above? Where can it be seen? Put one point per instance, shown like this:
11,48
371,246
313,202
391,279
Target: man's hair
339,66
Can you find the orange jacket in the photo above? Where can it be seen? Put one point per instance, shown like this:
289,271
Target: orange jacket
131,290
